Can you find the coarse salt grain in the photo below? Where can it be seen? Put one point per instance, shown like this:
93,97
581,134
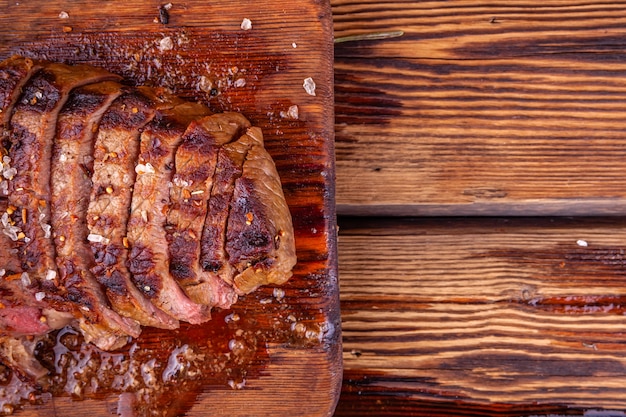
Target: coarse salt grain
278,293
144,168
95,238
179,182
51,274
8,229
64,15
246,24
2,272
582,243
46,230
166,44
25,279
294,45
240,82
292,113
40,295
9,173
309,86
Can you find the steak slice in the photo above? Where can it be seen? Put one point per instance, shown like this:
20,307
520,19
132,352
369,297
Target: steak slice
115,156
72,164
14,73
149,258
33,127
23,311
259,238
213,256
195,162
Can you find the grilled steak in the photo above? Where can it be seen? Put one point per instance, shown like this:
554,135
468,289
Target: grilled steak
115,155
33,128
72,159
149,260
213,256
126,206
259,235
14,73
191,188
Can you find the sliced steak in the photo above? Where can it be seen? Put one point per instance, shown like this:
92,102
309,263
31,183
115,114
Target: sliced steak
149,258
195,162
259,237
72,165
33,126
14,73
23,309
213,256
115,157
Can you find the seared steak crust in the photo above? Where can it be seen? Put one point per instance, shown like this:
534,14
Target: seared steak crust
115,155
259,240
72,160
33,127
148,260
126,206
213,256
195,162
14,73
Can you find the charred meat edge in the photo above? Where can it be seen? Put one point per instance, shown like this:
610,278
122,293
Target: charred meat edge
260,237
72,164
32,131
115,157
14,74
195,162
213,256
149,258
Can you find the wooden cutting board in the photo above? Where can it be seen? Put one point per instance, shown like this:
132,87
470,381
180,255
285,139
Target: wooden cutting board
277,352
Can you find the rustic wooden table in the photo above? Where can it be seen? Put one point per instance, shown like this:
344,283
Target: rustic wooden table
480,160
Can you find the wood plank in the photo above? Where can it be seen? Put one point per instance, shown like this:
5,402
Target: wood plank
479,315
482,108
284,347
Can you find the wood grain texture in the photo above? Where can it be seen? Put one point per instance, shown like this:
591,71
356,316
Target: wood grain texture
509,107
203,54
480,316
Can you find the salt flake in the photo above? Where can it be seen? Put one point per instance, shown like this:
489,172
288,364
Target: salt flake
25,279
166,44
246,24
292,113
144,169
309,86
92,237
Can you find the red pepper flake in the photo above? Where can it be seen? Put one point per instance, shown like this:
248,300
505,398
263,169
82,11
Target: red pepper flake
13,277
